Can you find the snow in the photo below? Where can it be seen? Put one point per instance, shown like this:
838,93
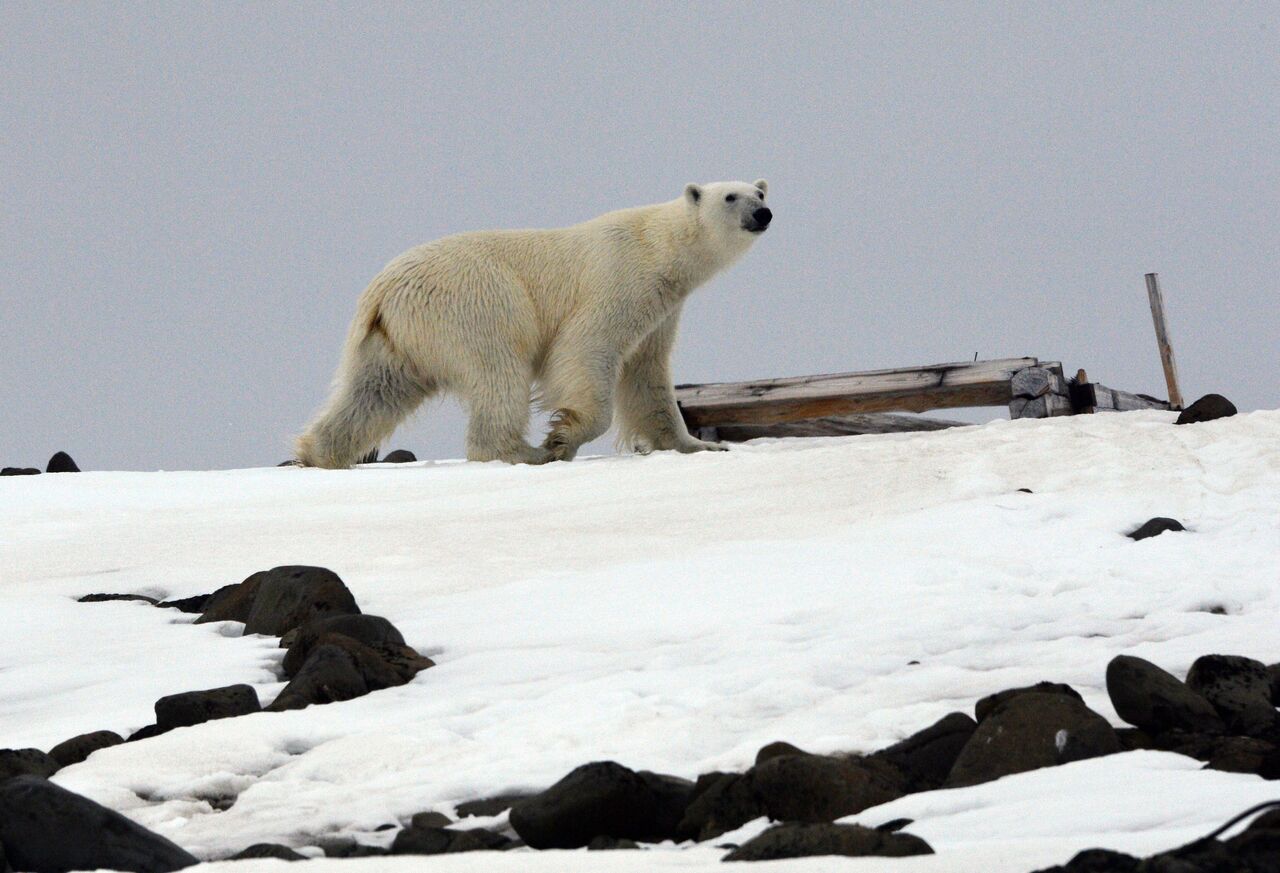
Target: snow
670,612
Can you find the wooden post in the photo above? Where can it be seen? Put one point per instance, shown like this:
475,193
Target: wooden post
1162,340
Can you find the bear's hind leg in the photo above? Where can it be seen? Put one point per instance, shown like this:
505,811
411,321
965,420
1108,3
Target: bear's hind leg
499,417
370,398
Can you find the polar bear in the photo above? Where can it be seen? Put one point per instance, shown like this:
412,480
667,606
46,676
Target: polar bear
582,317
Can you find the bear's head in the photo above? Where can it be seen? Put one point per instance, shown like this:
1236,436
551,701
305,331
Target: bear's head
735,211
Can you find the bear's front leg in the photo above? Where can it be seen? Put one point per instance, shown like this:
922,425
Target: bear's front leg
649,418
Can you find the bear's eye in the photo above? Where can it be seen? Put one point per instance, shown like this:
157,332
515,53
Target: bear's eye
729,198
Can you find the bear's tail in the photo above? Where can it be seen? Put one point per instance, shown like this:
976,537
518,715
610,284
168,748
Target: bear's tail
372,393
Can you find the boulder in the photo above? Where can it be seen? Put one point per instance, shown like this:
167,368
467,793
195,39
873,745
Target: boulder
76,749
106,598
287,597
1207,408
19,471
1031,731
798,840
809,788
601,799
430,820
268,850
1239,689
1240,755
818,789
1156,701
26,762
146,733
329,675
926,758
988,704
46,828
232,602
489,806
777,749
400,456
1154,527
61,463
610,844
368,629
1098,861
197,707
195,604
441,841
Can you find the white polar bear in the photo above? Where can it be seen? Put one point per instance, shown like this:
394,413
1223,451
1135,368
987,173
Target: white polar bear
588,313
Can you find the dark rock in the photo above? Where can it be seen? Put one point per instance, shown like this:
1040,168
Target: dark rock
351,849
1240,755
367,629
430,820
803,840
817,789
61,463
673,796
610,844
146,733
1156,701
489,806
197,707
807,788
926,758
1240,690
1133,739
292,462
1031,731
1154,527
400,456
1256,850
46,828
19,471
721,802
1207,408
441,841
76,749
381,665
232,602
988,704
894,825
1097,861
777,749
1268,821
600,799
291,596
197,603
1273,673
26,762
105,598
329,675
268,850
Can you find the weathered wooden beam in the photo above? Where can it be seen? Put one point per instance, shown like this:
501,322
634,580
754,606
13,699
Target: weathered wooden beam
914,389
1099,398
1162,340
830,425
1040,391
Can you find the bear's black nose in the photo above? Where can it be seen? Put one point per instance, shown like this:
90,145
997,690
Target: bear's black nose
763,216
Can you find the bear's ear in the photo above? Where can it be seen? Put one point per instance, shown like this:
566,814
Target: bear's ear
763,186
692,192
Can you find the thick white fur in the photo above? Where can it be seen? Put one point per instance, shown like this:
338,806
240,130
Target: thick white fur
586,313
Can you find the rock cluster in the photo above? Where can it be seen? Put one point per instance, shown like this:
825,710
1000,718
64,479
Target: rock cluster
1223,714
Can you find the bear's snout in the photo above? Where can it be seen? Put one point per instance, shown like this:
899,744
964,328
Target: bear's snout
762,217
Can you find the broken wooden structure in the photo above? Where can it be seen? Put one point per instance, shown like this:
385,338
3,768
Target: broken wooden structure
855,403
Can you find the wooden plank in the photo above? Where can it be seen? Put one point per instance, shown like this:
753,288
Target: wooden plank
831,425
1162,340
914,389
1040,392
1106,399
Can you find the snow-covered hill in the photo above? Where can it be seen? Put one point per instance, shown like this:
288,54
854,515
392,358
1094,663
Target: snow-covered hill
673,613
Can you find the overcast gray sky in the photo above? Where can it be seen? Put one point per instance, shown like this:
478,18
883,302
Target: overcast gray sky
194,194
